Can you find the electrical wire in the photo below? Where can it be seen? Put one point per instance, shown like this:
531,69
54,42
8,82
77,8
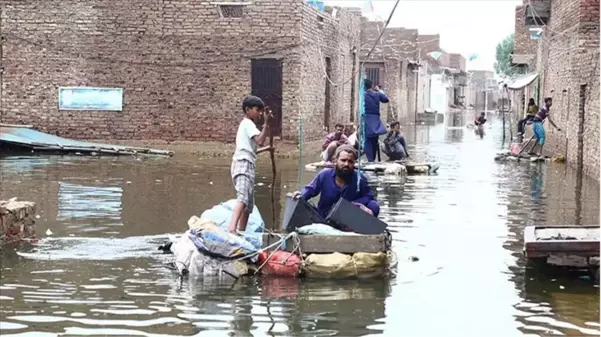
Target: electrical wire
362,66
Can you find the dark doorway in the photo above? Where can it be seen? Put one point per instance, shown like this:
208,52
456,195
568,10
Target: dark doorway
373,74
266,79
327,105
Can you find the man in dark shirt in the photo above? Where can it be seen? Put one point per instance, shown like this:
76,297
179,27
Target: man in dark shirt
395,146
480,120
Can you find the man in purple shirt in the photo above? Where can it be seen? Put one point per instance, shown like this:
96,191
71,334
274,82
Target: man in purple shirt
341,182
332,141
539,129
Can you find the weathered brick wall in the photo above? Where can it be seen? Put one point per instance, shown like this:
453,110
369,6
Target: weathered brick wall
568,56
396,48
184,69
431,43
457,61
324,36
522,43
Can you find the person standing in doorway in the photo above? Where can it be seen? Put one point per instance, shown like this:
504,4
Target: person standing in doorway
539,129
373,125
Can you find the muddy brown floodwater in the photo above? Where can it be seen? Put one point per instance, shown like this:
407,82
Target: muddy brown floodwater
99,273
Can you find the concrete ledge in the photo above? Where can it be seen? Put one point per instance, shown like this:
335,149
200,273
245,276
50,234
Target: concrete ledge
284,149
16,220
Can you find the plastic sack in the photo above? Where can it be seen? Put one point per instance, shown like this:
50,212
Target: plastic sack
337,265
188,260
221,215
515,148
279,263
321,229
216,242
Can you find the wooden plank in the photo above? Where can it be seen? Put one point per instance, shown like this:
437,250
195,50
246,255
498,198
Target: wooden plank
333,243
540,241
412,168
16,126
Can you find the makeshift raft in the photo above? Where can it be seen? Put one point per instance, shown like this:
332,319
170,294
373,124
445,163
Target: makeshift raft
388,168
568,246
15,137
526,158
207,249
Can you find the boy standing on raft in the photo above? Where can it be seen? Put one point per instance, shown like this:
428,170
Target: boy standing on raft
244,160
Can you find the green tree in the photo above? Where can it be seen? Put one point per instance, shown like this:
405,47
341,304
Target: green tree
503,65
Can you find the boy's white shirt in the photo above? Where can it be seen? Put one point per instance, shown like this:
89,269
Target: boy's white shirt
246,147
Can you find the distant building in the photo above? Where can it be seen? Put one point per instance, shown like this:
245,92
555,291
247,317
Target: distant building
481,84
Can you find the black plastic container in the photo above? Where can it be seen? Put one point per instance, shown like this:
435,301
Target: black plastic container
299,213
348,217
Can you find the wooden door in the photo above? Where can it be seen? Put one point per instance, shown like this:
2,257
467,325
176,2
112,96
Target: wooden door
266,83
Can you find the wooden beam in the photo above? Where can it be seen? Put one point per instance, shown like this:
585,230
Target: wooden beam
334,243
16,126
541,241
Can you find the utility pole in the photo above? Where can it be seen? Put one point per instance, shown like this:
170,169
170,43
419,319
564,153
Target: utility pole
503,112
417,83
486,99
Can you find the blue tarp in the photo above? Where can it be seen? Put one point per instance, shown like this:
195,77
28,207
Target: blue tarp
222,214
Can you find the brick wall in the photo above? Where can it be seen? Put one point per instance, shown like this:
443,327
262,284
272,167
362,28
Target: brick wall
457,61
397,47
568,56
183,68
335,38
522,43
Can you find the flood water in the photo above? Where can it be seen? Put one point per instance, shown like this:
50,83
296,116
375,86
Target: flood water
99,272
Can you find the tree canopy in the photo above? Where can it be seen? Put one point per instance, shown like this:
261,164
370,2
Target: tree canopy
503,65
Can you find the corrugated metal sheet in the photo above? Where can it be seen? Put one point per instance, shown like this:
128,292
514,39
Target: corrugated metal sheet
40,141
521,81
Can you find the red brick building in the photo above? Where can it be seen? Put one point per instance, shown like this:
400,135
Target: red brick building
184,66
567,61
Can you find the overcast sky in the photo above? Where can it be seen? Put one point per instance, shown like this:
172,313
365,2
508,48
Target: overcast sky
465,26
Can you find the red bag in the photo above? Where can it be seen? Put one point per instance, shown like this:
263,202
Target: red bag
279,263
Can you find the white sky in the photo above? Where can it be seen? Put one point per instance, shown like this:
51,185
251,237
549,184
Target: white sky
465,26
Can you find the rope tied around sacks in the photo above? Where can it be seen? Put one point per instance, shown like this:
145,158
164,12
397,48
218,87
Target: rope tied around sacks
283,239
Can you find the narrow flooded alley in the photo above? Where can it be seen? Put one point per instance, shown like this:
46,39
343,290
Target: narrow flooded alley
100,271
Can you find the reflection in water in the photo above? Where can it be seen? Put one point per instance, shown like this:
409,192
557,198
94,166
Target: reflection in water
100,273
537,186
102,204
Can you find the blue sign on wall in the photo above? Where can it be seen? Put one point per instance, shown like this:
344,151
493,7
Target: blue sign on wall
87,98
